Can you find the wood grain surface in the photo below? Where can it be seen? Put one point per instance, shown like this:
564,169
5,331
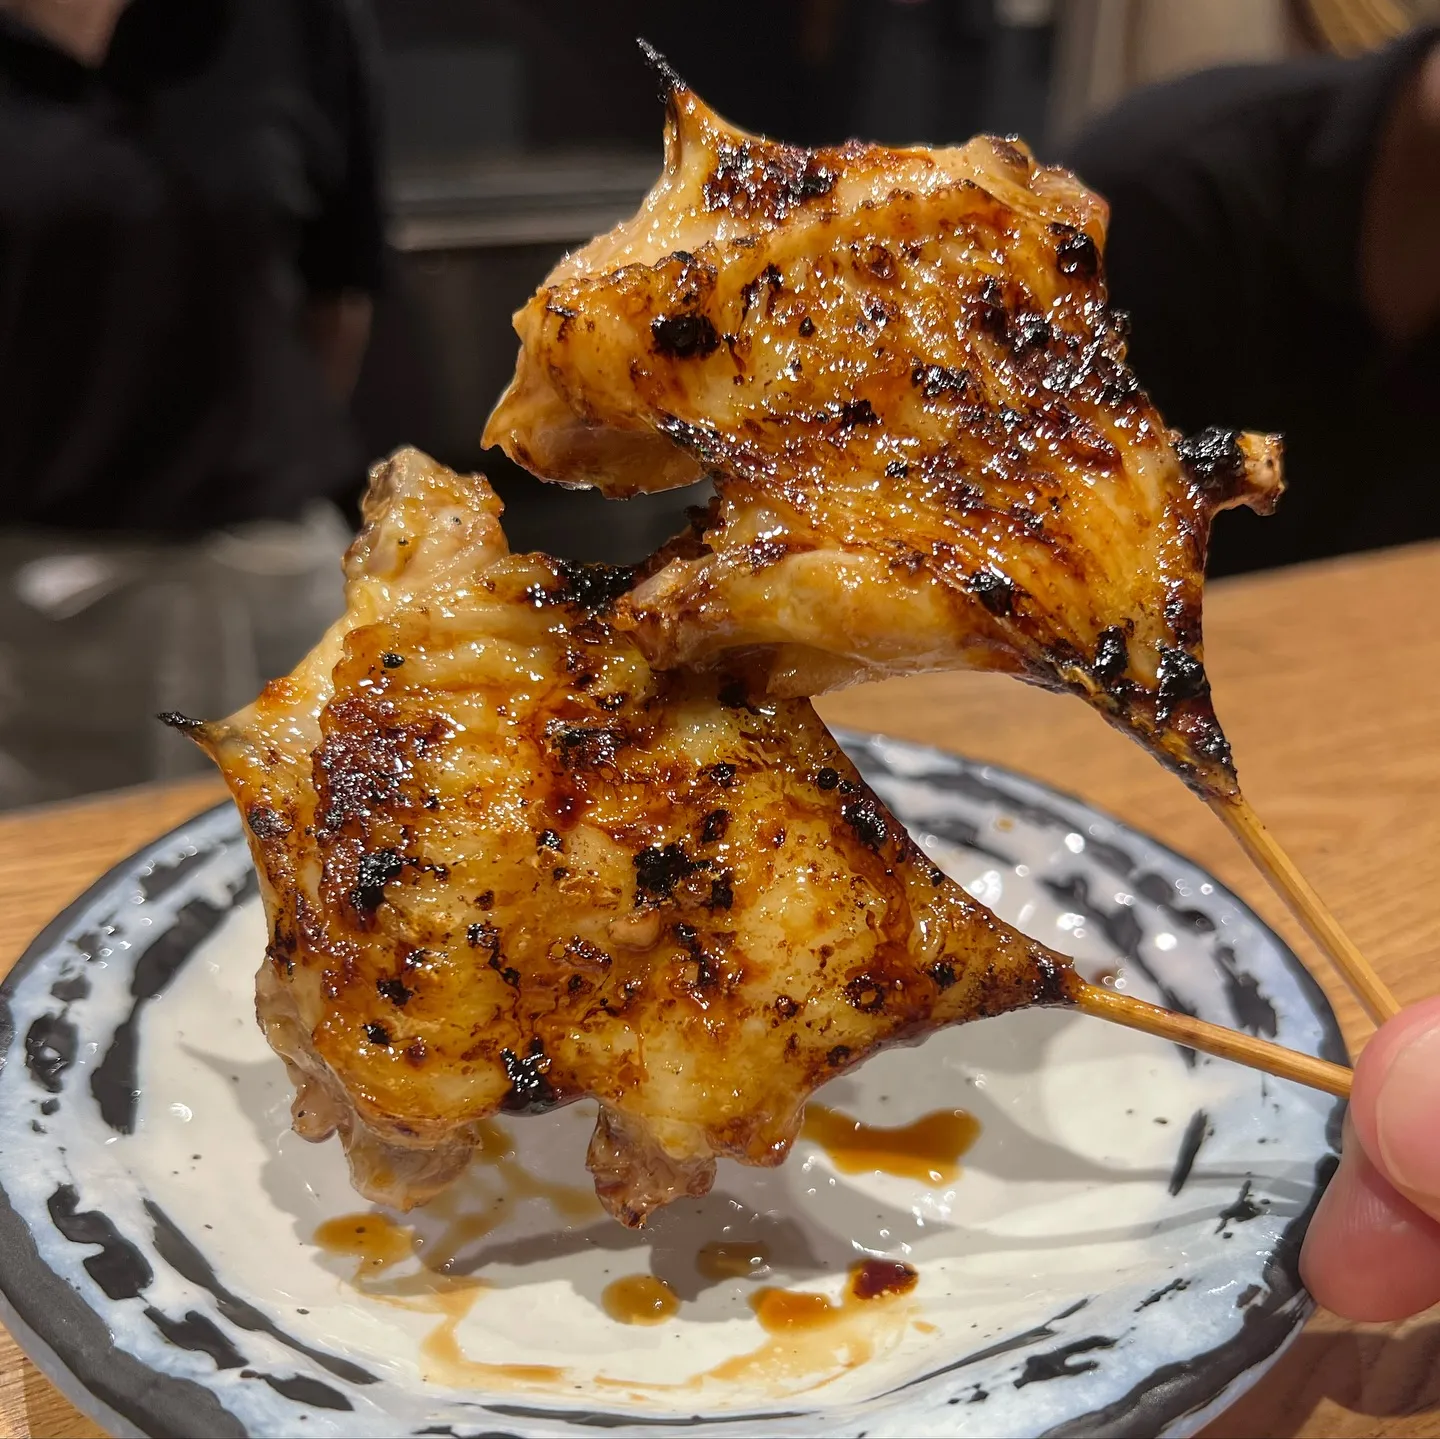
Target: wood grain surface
1327,679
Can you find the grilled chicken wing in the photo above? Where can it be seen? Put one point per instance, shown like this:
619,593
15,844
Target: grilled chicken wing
507,864
902,369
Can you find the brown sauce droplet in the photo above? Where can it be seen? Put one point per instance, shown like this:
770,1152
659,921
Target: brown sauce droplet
374,1240
927,1149
782,1310
876,1278
639,1299
730,1259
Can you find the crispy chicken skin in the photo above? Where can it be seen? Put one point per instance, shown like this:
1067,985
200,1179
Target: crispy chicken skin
903,371
507,864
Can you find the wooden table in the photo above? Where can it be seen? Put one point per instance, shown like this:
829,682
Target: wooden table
1327,680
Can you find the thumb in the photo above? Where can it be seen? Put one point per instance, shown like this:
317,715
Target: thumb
1395,1103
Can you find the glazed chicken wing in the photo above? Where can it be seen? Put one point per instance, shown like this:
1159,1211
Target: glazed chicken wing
508,864
903,371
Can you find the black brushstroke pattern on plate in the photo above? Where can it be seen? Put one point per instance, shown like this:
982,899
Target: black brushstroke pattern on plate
1175,1390
602,1419
115,1080
1064,1362
182,1255
120,1269
1190,1142
1010,1345
66,1339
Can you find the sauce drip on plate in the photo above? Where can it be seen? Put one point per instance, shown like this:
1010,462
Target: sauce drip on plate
781,1310
927,1149
639,1299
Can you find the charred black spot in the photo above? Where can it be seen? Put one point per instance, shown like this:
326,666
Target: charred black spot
990,310
485,901
549,839
576,983
761,178
700,441
685,335
582,746
1213,459
508,975
1076,254
942,972
176,720
530,1091
866,818
854,413
484,936
879,261
1029,332
723,774
760,554
590,587
897,469
583,954
391,660
1112,657
1050,986
838,1056
1182,677
994,591
266,823
722,893
660,868
827,778
768,279
378,1034
714,826
375,871
933,381
734,695
566,317
786,1007
807,327
866,993
398,993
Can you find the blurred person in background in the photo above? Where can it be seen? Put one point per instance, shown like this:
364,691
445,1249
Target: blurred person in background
190,234
1275,236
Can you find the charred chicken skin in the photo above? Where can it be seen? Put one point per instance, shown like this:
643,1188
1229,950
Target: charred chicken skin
508,864
903,371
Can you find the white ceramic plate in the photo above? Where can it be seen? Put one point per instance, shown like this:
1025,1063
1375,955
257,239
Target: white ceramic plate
1117,1254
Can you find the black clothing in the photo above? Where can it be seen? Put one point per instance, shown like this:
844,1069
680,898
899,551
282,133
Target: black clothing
1237,199
163,219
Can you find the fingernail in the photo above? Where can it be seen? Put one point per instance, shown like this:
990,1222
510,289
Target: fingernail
1407,1115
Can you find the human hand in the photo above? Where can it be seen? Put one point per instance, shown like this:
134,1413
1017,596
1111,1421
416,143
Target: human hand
1373,1249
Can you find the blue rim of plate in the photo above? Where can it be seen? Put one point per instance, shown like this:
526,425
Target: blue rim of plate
71,1344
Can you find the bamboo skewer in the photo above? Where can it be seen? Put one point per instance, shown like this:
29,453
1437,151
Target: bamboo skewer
1307,907
1214,1039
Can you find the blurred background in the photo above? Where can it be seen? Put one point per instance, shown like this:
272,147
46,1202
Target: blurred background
247,246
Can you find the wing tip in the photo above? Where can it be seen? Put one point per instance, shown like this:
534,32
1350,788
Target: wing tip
671,85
